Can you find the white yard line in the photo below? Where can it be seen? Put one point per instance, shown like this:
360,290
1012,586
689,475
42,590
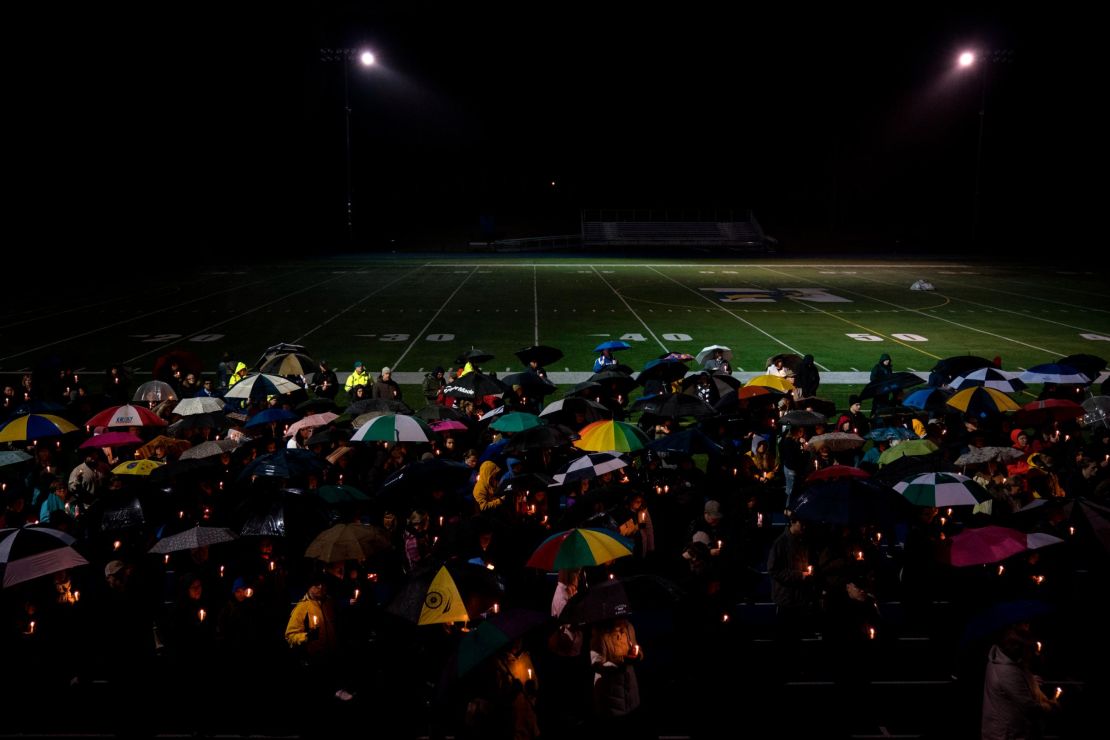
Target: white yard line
130,319
675,264
630,309
997,308
931,316
359,302
717,304
416,338
535,307
236,317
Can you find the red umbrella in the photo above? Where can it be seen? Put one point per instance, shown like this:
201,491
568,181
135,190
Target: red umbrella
1043,412
993,543
126,416
836,471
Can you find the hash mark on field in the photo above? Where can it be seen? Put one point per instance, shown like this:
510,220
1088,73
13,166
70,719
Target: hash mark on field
855,369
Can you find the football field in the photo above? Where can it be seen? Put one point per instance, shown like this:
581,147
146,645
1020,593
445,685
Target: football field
413,313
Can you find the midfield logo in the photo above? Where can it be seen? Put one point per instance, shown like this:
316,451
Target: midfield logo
774,295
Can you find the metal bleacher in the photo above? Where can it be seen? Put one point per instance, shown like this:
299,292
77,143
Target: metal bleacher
734,230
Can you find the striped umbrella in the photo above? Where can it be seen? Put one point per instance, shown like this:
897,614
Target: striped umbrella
577,548
516,422
989,377
590,466
611,435
34,426
993,543
30,552
1055,373
126,416
770,381
977,401
394,428
942,489
137,467
260,385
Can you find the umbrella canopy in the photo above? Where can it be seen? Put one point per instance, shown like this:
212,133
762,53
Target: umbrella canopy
952,367
444,594
993,543
341,494
116,513
516,421
14,457
427,475
531,383
494,634
29,552
394,428
542,437
836,441
942,489
590,466
348,542
111,439
989,622
928,398
723,382
790,361
1090,365
1047,411
567,410
137,467
612,435
979,455
909,448
621,597
687,442
171,446
802,418
676,405
475,385
848,501
813,403
524,484
890,433
585,388
34,426
896,382
706,352
615,381
199,405
154,391
540,354
665,371
316,420
836,471
771,381
577,548
258,386
447,425
437,412
474,356
270,416
126,416
191,539
197,421
613,345
979,401
1055,373
1097,410
989,377
280,348
282,463
289,363
209,449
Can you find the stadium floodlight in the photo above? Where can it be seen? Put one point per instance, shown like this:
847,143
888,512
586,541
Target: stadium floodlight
966,59
367,59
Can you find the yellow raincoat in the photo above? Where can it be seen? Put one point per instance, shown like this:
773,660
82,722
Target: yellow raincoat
485,488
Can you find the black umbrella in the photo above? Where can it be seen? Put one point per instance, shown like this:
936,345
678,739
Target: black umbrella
898,381
474,356
427,475
952,367
725,384
279,349
911,465
614,381
665,371
790,361
621,597
328,436
802,418
547,436
540,354
118,512
443,413
586,387
566,411
29,552
1000,616
386,405
317,406
1089,365
524,484
820,405
850,501
284,463
687,442
197,421
675,405
531,382
475,385
199,467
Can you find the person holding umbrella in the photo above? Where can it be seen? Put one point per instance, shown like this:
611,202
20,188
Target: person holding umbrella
604,360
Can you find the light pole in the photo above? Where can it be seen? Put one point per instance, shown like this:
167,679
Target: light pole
366,59
966,61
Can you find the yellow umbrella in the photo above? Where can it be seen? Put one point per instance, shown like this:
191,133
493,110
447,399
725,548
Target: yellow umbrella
443,602
771,381
137,467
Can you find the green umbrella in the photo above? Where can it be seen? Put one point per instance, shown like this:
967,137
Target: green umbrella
341,494
516,422
908,448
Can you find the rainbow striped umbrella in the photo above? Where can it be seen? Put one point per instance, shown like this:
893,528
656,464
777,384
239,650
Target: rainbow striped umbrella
394,428
577,548
34,426
611,435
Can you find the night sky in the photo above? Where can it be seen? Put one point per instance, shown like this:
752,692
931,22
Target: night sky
213,128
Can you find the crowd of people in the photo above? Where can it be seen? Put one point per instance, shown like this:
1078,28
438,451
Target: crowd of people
712,507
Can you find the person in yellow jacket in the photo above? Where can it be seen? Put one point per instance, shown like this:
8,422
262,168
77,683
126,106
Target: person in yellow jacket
312,623
358,377
485,488
239,374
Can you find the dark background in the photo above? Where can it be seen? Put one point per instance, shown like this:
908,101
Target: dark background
207,129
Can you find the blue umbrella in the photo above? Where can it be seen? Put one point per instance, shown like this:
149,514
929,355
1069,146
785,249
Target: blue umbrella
612,345
284,463
926,398
270,416
889,433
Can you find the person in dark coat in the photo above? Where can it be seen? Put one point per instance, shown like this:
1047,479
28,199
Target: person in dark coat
806,378
613,653
883,370
386,387
325,383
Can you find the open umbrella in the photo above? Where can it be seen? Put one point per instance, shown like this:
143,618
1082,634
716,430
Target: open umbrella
1090,365
989,622
395,428
282,463
802,418
29,552
590,466
384,405
908,448
348,542
437,413
612,435
567,410
540,354
836,471
587,388
313,421
494,634
289,363
154,391
270,416
199,405
952,367
676,405
193,538
445,426
979,455
137,467
258,386
928,398
813,403
1049,410
993,543
898,381
111,439
341,494
1055,373
687,442
613,345
706,352
211,448
942,489
890,433
531,383
117,513
989,377
723,382
664,371
790,361
836,441
425,476
448,593
978,401
171,446
1097,410
126,416
34,426
621,597
475,385
274,350
577,548
14,457
516,422
474,356
848,500
771,381
547,436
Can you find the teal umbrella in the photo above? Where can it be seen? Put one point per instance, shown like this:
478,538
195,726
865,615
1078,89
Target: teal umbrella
517,422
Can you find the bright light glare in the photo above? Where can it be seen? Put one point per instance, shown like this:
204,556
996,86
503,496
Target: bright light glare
967,59
367,59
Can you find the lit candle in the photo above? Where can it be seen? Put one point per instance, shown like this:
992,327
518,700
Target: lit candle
356,594
1038,580
949,511
719,543
1057,696
635,651
250,592
724,618
496,609
809,570
273,565
166,559
1001,569
666,488
734,471
531,509
76,596
489,566
942,521
544,520
643,517
315,621
870,633
31,630
859,554
1039,646
116,545
221,571
759,520
441,521
878,537
340,479
201,615
181,515
611,576
221,485
372,577
1071,530
529,674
